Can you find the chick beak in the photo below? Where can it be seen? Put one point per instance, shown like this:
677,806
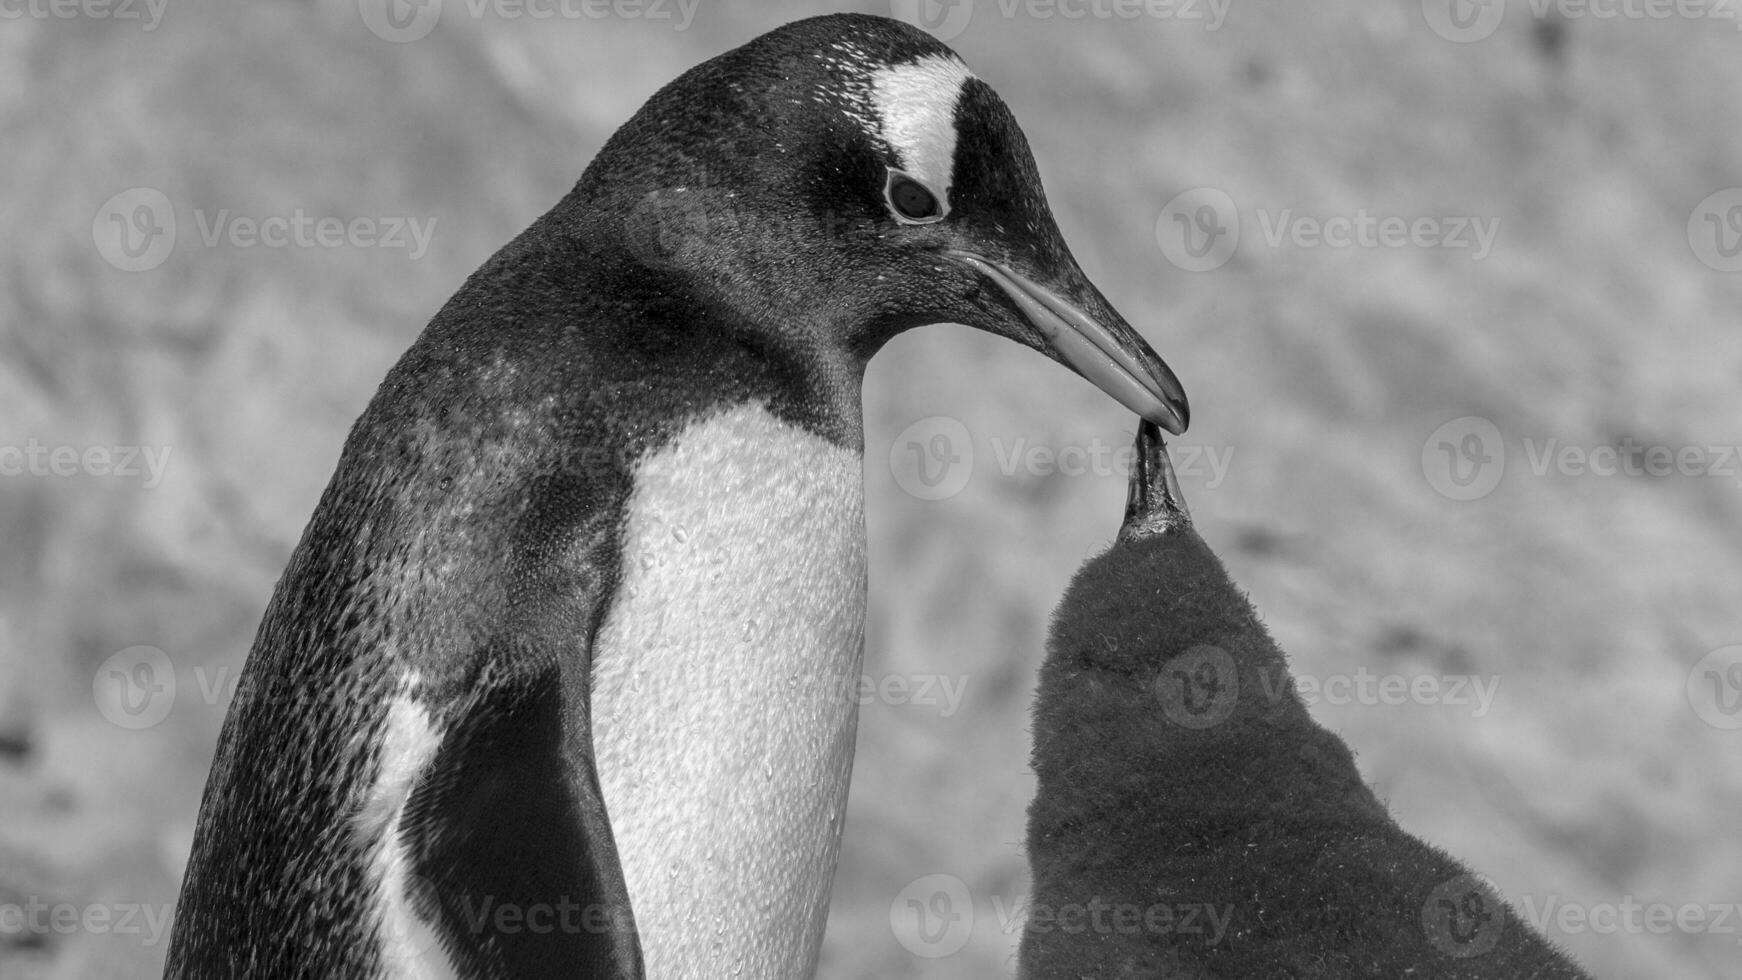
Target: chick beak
1103,348
1153,501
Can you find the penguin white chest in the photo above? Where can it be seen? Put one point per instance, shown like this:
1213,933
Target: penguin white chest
723,683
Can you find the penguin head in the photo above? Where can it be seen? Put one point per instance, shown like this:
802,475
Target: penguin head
846,177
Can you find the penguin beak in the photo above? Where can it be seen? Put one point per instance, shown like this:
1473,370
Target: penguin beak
1101,347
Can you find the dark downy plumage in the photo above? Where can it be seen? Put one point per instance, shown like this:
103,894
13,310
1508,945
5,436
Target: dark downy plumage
1193,820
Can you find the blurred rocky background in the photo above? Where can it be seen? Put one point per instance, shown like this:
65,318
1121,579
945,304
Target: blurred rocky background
1454,287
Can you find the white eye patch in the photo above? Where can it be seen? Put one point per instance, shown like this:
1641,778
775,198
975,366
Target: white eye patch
916,103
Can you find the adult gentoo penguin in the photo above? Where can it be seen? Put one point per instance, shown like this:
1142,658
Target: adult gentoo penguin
551,684
1193,821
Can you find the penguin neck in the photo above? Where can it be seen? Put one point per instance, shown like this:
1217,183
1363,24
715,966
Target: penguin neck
722,328
823,383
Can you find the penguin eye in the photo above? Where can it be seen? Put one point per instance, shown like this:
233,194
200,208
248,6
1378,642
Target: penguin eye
911,200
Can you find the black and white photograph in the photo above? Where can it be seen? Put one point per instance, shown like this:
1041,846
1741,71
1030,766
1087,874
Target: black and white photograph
871,489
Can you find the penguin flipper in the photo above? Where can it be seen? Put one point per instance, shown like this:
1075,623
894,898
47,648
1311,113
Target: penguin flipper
516,870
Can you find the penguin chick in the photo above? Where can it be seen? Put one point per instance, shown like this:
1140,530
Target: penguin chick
1192,820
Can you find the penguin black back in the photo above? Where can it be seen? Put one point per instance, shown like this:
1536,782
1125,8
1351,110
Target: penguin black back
1192,820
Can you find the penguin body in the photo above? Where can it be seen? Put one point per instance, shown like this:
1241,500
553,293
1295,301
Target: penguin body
555,682
1192,820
